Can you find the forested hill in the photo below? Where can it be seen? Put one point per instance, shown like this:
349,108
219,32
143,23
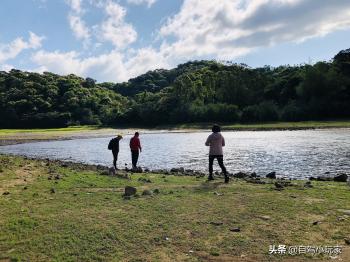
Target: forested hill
199,91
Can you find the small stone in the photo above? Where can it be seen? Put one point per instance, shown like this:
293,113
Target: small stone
6,193
52,191
347,240
316,223
215,223
25,188
240,175
218,194
265,217
235,229
147,192
271,175
156,191
308,184
130,191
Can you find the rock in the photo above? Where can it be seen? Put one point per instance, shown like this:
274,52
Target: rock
279,185
265,217
6,193
308,184
52,191
271,175
240,175
256,181
156,191
145,180
147,192
57,177
323,178
316,223
253,175
347,240
177,170
130,191
25,188
111,171
104,173
235,229
215,223
341,178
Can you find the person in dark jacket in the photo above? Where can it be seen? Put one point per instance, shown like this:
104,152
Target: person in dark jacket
135,147
216,141
114,146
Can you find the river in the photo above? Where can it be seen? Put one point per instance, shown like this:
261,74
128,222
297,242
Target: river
294,154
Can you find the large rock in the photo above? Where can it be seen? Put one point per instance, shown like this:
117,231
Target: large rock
177,170
130,191
324,178
240,175
271,175
341,178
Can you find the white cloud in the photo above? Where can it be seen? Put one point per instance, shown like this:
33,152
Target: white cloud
227,29
75,5
78,26
114,29
76,22
112,66
140,2
224,29
13,49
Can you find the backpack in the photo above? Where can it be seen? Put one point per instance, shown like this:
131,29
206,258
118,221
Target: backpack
110,144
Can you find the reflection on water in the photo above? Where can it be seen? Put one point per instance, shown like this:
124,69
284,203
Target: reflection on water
295,154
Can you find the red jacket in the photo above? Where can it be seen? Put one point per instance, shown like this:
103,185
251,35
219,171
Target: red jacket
135,144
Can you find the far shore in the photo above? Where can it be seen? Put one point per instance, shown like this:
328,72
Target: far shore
17,136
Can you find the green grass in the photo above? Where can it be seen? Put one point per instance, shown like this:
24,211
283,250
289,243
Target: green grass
48,130
270,126
86,219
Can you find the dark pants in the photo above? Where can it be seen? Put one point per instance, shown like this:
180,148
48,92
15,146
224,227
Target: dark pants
134,157
220,159
115,158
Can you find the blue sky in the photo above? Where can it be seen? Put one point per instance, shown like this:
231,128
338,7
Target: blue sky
114,40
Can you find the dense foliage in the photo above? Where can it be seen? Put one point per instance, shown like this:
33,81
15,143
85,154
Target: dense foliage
199,91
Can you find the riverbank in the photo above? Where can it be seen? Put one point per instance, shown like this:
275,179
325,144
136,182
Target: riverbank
302,125
53,211
16,136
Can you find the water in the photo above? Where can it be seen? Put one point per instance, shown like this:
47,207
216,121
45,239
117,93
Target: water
295,154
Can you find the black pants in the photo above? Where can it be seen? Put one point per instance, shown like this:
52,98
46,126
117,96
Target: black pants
115,158
134,157
220,159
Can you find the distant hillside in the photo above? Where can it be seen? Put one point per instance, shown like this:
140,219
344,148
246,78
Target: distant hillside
192,92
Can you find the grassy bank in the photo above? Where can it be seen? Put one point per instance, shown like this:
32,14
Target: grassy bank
55,213
270,126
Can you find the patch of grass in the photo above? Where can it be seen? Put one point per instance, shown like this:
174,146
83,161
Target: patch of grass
269,126
86,219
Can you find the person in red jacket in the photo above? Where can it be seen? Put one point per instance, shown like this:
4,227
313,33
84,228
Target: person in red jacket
135,147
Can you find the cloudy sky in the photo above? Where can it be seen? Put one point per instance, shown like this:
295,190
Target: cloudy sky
113,40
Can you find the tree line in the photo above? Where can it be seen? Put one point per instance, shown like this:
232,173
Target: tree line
197,91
